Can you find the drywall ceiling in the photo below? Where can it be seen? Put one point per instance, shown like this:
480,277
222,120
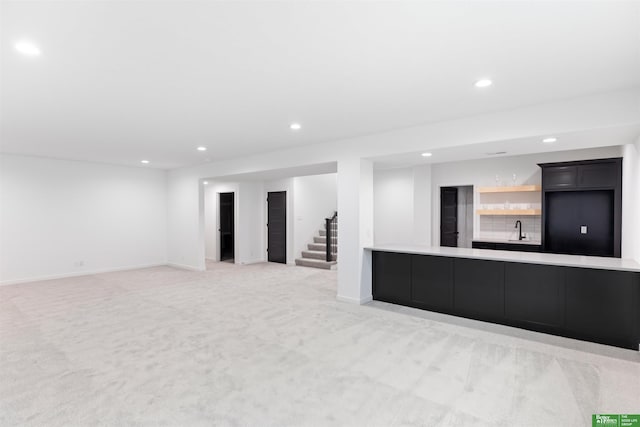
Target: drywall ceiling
121,81
590,138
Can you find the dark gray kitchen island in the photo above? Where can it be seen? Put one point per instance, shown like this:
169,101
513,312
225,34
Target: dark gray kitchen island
588,298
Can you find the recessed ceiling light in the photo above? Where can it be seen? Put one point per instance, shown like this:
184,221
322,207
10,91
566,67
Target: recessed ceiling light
27,48
201,148
427,154
549,140
295,126
205,182
484,83
146,162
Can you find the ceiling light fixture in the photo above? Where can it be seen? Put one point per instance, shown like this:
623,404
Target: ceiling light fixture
295,126
27,48
426,154
205,182
483,83
201,148
549,140
145,162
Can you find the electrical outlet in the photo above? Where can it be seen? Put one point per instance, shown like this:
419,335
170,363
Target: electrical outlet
583,229
79,263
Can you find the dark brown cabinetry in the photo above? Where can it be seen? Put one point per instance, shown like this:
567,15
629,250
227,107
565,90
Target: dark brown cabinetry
595,305
582,207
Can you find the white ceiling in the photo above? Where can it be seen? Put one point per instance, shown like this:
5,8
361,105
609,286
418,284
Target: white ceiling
591,138
121,81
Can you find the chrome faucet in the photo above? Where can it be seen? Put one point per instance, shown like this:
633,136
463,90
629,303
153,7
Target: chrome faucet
519,223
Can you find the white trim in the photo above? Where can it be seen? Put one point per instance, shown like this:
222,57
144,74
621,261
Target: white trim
184,266
351,300
79,273
253,261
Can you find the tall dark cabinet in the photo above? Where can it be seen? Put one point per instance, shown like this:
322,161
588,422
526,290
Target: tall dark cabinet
582,207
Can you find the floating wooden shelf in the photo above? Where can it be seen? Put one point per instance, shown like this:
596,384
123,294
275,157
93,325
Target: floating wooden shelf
521,212
513,189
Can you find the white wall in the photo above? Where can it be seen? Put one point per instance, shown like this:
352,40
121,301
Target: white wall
56,215
402,206
250,229
393,204
355,207
421,205
631,201
315,198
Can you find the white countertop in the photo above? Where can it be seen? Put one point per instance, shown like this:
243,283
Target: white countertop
602,263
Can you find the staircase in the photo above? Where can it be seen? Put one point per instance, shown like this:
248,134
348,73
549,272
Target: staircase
316,255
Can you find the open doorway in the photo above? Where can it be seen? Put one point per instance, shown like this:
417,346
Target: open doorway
456,216
226,215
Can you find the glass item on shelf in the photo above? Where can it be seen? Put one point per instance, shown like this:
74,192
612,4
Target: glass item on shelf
514,178
498,180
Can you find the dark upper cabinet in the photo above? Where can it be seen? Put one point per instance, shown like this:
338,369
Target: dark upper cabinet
598,175
392,277
560,177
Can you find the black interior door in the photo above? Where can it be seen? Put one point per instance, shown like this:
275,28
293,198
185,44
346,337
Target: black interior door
449,216
568,211
277,226
226,226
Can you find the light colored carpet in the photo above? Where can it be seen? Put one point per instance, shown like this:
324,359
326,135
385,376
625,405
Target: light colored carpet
269,344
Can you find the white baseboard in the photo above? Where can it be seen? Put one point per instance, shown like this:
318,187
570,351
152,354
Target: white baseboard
184,266
252,261
351,300
78,273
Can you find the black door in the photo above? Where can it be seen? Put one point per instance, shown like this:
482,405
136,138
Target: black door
226,226
449,216
277,226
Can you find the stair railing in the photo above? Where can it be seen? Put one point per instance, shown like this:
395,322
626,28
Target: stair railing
330,224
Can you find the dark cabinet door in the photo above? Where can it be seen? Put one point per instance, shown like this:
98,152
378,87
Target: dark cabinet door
392,277
559,177
479,288
603,305
598,175
432,282
535,294
580,222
